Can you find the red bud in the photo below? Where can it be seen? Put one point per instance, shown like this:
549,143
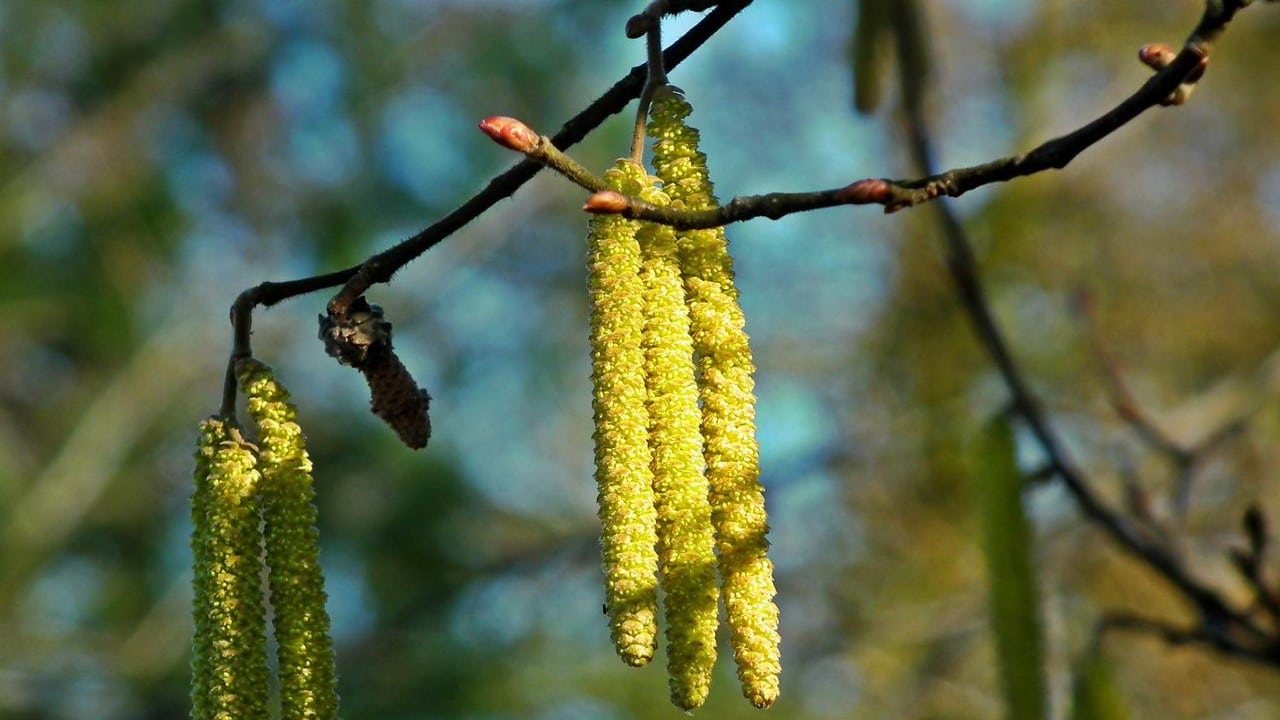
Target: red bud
1156,56
865,192
510,133
606,202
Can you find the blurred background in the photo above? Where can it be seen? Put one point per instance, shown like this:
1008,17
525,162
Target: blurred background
159,156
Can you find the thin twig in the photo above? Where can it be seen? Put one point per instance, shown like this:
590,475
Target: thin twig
895,195
1251,562
1121,396
1199,635
242,326
1214,610
649,18
382,266
656,79
515,135
1185,458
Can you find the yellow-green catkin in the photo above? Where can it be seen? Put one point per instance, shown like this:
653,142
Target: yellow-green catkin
229,653
304,650
728,405
624,478
686,542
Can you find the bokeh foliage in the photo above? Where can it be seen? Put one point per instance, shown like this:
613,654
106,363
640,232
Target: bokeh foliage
158,156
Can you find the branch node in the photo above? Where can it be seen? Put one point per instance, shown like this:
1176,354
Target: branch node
865,192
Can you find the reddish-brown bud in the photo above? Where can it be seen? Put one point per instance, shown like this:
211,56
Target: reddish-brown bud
865,192
510,133
606,202
1156,56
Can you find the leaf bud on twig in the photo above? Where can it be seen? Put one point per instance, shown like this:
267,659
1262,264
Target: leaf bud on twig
606,202
865,192
510,133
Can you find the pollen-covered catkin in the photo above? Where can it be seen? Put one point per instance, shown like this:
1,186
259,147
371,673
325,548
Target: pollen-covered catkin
229,653
308,688
624,477
686,543
726,389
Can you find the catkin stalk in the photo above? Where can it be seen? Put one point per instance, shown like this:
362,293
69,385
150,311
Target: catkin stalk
624,477
686,542
229,663
308,686
728,405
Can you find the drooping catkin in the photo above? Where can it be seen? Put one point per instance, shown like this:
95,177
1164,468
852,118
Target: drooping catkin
229,652
728,405
304,653
624,477
686,543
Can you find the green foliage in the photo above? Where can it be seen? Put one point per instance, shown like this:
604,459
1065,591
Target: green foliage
870,54
1095,694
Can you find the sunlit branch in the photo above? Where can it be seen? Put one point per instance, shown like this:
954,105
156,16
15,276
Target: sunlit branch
380,267
1170,85
1214,610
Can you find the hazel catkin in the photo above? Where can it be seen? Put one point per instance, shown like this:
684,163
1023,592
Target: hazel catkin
229,663
686,545
304,652
727,393
624,476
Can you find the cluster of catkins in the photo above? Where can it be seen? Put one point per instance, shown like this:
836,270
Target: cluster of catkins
677,462
253,503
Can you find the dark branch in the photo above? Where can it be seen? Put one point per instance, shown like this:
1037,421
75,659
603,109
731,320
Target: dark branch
1185,458
1054,154
382,266
1215,638
1121,396
645,21
1213,609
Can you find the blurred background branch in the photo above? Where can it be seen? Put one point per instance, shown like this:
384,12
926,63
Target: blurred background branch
156,156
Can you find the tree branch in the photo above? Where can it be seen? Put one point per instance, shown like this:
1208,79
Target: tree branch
1177,73
1215,638
380,267
648,19
1214,610
1184,457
